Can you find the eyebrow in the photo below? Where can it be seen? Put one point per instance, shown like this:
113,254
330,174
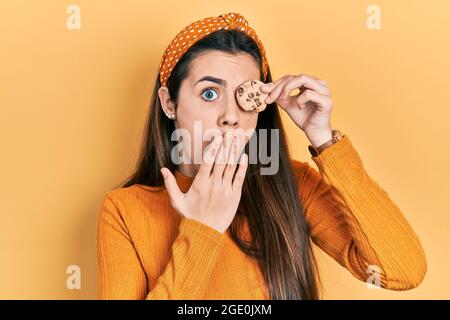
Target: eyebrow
213,79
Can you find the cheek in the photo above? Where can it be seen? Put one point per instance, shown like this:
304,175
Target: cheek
249,120
193,110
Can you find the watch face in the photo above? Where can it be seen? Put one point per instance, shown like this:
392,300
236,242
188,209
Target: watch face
336,135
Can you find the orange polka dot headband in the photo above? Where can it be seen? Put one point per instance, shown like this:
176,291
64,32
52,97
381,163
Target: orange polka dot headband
198,30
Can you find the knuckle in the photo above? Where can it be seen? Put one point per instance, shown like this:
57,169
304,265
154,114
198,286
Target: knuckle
230,168
331,105
217,182
227,190
195,188
239,177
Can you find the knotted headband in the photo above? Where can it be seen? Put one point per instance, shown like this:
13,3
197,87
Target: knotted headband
198,30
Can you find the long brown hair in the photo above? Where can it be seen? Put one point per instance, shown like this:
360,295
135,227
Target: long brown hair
279,231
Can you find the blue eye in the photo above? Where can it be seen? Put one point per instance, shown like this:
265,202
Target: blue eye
209,94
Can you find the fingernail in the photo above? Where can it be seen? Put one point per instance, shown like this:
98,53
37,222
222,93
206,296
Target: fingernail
163,172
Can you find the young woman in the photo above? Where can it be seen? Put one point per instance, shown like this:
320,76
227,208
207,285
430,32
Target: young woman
218,228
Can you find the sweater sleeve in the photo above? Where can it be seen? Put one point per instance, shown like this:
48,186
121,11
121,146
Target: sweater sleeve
120,272
354,221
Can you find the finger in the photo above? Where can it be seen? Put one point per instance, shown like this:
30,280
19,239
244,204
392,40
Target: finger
275,93
222,157
305,81
320,80
240,173
235,151
323,82
171,185
324,103
268,87
209,156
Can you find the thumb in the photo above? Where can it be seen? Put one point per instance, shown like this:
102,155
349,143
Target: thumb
171,185
266,88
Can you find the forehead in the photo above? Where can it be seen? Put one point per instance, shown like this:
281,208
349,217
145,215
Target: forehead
234,68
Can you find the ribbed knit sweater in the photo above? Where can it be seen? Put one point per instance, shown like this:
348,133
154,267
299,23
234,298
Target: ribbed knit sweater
145,250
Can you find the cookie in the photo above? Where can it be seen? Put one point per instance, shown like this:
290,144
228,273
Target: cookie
249,97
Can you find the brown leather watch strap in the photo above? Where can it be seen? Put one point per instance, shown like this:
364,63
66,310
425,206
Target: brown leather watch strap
336,136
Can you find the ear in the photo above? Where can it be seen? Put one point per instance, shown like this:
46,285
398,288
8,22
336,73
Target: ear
166,103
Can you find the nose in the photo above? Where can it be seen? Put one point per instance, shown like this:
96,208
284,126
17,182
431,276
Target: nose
229,117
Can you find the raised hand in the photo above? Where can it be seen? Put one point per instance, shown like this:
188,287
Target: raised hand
214,195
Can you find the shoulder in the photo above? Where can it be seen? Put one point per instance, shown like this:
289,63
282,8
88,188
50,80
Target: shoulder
304,171
135,193
298,165
133,201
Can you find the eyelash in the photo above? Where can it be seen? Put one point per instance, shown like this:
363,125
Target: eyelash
206,89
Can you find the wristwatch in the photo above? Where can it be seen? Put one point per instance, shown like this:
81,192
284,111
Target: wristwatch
336,136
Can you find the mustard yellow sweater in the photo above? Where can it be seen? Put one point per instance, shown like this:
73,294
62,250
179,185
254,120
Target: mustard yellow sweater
145,250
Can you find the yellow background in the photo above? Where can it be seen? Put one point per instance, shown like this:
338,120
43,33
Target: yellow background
73,104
